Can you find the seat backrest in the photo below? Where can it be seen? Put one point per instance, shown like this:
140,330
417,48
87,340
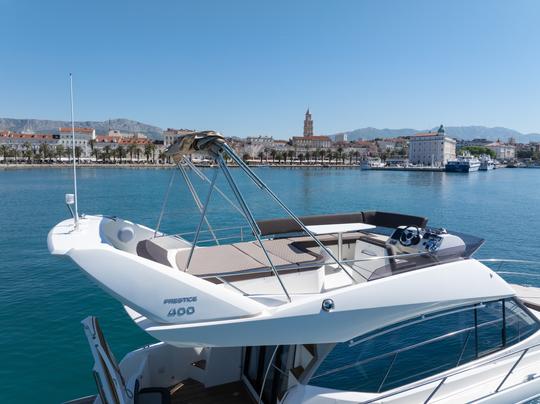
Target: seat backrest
288,225
376,218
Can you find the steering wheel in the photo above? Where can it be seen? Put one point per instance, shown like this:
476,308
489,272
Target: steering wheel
410,236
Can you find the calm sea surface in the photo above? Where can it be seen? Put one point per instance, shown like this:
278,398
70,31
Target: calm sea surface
43,351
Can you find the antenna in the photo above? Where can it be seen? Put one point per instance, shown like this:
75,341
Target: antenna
76,215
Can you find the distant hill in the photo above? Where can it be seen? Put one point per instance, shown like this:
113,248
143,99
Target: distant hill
458,132
40,126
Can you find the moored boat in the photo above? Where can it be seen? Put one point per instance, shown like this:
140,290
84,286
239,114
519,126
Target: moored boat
464,163
362,306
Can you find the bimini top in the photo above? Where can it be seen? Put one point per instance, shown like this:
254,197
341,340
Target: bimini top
209,142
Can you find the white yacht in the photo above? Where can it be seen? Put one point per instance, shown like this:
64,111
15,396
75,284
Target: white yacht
487,163
362,307
371,163
466,163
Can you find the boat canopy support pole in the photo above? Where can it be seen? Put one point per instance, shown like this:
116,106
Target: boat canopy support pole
165,200
263,186
203,177
203,215
196,199
250,219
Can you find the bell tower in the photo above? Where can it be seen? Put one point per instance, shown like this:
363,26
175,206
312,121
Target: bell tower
308,124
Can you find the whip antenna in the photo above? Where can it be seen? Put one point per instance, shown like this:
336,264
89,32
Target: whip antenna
75,197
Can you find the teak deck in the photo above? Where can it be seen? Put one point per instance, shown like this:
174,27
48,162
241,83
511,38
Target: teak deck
190,391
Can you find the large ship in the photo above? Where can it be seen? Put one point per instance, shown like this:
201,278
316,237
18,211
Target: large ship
464,163
357,307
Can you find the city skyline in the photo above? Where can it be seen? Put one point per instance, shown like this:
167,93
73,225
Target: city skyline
246,69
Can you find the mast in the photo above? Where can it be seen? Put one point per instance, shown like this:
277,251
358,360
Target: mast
76,216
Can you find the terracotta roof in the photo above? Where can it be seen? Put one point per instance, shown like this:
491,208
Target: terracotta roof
78,130
25,136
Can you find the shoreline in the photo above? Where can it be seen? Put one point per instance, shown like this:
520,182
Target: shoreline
166,166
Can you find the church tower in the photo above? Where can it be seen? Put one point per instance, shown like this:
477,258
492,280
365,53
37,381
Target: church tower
308,124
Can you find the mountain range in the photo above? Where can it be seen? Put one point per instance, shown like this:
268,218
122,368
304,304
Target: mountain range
154,132
101,127
458,132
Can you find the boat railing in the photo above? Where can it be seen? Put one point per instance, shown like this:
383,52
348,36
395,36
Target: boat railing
216,236
441,380
515,270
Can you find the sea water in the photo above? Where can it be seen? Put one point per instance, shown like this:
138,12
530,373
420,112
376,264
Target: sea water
43,351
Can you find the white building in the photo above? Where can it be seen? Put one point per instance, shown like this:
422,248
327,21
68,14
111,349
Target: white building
341,137
503,151
170,135
20,142
432,148
82,139
257,144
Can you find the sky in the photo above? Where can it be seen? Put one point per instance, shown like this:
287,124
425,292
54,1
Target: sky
253,67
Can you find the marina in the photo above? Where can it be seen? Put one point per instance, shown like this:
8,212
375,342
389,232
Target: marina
244,202
441,187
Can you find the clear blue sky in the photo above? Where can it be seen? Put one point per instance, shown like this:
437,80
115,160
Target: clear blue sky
252,67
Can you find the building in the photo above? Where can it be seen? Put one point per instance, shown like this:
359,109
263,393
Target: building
503,151
21,142
341,137
258,144
431,148
117,133
171,134
306,143
83,136
308,124
309,141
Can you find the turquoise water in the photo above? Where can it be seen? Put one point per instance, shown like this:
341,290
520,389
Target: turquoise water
43,350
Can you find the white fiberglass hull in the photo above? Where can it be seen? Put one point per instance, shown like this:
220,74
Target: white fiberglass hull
224,317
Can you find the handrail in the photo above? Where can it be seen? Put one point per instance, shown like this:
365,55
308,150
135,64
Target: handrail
447,376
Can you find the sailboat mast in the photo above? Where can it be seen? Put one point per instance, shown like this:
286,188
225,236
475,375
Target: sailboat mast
76,217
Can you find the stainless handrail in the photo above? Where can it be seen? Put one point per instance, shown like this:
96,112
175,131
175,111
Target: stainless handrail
461,371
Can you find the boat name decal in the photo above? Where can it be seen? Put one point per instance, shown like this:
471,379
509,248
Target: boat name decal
177,300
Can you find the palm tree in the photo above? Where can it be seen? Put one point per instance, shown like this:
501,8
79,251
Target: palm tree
106,153
290,154
44,150
60,150
96,154
149,150
78,152
273,153
131,149
329,155
121,152
322,153
356,155
339,152
28,152
260,155
4,149
308,156
301,157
